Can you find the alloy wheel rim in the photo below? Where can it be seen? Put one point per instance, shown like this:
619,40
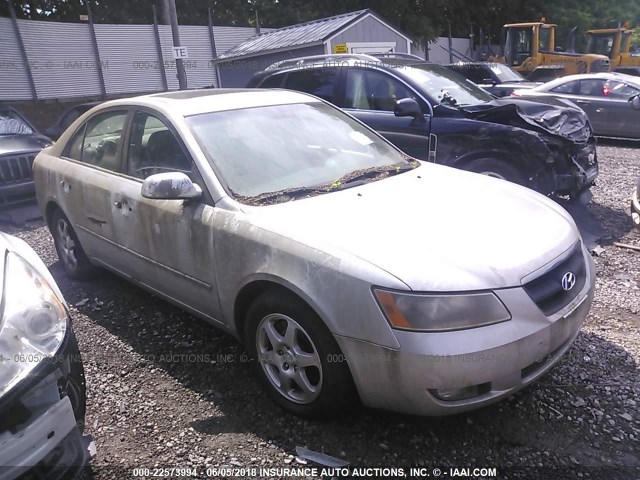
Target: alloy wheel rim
289,358
67,244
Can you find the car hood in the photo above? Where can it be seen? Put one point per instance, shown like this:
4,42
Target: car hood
554,116
434,228
22,143
523,85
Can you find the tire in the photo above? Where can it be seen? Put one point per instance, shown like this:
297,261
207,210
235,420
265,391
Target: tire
495,168
72,257
281,333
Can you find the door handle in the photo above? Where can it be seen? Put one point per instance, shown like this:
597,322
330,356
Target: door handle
583,102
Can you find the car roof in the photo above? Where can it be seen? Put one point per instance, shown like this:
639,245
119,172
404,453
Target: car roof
195,102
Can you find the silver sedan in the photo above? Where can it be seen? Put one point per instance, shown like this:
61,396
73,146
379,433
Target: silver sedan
610,100
347,268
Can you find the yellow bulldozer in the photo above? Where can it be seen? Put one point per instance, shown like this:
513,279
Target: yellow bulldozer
530,48
615,43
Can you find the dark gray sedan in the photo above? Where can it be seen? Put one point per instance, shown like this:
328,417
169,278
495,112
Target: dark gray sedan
610,100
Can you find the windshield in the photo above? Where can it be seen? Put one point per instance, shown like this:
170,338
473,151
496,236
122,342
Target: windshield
544,42
601,44
262,150
445,86
506,74
518,45
11,123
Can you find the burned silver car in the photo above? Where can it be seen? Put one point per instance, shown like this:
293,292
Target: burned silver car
42,386
345,266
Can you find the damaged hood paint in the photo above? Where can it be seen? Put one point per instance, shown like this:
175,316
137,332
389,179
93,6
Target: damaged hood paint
486,233
554,116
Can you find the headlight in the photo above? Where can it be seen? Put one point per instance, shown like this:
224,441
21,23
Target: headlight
427,312
33,324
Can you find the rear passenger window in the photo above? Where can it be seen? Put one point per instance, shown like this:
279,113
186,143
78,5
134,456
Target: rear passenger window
318,82
592,87
274,81
99,142
569,87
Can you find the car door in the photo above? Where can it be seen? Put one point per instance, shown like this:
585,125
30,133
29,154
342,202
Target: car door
592,99
87,183
623,120
371,95
584,94
167,245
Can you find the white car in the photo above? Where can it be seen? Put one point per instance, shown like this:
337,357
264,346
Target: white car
42,387
340,261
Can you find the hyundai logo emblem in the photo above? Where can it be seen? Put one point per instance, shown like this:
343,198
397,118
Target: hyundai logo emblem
568,281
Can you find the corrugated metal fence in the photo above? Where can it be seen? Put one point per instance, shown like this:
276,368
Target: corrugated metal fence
46,60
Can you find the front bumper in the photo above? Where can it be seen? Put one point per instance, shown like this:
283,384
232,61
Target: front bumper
500,359
581,174
41,420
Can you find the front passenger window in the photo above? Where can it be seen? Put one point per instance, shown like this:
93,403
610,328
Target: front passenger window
369,90
153,148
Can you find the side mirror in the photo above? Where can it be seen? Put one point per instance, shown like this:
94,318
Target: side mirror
170,186
635,102
408,107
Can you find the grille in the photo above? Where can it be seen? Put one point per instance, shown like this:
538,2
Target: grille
16,168
547,291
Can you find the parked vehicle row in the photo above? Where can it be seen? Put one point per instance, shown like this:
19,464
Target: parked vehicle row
224,201
278,218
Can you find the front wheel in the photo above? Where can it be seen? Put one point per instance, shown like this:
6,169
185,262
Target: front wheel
74,261
496,169
297,358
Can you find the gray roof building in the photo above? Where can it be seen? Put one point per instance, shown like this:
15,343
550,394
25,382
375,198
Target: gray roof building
361,31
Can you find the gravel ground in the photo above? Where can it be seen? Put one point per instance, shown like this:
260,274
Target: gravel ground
167,390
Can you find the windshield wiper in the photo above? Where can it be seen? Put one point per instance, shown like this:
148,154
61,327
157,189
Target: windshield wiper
358,177
285,194
351,179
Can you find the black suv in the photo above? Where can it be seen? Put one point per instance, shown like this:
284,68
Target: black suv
434,114
19,144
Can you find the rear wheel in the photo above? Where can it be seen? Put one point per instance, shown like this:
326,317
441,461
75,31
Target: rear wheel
297,358
74,261
496,169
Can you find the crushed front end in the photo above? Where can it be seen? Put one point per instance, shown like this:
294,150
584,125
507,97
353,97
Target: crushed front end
42,384
571,168
559,137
